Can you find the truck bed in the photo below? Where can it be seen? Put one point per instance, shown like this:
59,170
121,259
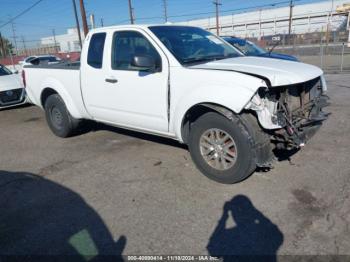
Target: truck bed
64,65
62,77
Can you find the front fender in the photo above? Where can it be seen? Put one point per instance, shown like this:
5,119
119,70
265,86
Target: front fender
234,98
57,86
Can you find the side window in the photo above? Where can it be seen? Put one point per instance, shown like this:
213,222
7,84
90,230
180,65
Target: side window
95,53
127,45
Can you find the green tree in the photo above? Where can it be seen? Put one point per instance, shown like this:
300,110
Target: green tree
5,46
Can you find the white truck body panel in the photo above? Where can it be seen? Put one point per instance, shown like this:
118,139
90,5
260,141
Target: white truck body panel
10,82
279,72
137,100
191,87
64,82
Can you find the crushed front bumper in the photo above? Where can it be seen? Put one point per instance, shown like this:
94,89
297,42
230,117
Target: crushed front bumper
300,112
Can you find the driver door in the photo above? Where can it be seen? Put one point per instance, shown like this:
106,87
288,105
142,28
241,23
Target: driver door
129,96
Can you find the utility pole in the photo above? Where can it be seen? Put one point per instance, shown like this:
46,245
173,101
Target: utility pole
165,6
329,21
12,62
92,20
131,13
101,22
24,46
77,23
14,36
290,20
260,10
217,4
83,17
54,40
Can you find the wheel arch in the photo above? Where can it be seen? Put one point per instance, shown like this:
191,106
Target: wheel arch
45,95
198,110
48,91
258,137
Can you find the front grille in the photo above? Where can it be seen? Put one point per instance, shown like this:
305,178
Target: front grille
11,96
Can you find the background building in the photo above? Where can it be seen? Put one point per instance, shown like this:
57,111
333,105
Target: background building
306,18
65,43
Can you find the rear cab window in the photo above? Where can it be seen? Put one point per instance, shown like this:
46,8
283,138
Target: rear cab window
95,52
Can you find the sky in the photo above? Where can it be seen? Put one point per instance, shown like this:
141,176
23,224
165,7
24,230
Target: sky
58,14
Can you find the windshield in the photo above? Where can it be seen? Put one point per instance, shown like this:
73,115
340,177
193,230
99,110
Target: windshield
248,48
4,71
193,45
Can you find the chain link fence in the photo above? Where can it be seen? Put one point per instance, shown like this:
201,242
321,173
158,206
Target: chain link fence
328,51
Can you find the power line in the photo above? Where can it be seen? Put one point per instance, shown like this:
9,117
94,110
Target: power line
233,10
206,13
20,14
31,41
41,25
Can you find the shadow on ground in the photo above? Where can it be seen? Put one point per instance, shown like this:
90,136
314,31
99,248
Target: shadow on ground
253,236
91,126
39,217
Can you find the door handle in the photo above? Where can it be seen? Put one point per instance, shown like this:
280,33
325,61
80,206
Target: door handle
111,80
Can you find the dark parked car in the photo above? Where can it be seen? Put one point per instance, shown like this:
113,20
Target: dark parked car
250,49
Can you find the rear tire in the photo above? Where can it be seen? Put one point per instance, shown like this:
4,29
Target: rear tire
61,123
222,149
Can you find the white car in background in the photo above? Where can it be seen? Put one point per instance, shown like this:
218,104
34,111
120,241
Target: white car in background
12,92
40,59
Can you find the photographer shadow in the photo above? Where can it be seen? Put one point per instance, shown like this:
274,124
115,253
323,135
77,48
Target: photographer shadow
41,220
253,238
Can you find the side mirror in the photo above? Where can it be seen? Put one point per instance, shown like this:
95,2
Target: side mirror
15,72
144,63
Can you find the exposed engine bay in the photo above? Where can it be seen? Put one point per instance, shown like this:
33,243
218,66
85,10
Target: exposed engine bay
291,114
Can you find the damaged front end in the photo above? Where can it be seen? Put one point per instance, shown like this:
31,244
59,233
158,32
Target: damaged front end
291,114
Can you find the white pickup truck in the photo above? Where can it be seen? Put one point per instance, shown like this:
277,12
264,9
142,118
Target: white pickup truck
187,84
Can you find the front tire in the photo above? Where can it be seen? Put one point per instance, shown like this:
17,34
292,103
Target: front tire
221,148
61,123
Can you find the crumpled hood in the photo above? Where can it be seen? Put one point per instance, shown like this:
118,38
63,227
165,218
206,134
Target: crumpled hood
10,82
278,72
